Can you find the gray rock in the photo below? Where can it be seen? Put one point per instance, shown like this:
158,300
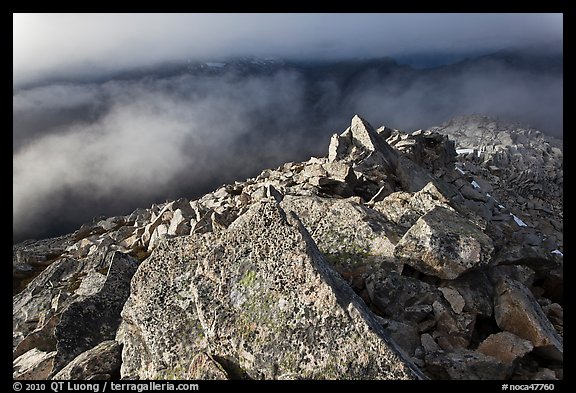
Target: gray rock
476,289
428,343
400,297
33,364
204,367
29,258
160,232
455,299
536,258
344,230
465,364
405,208
520,273
179,225
404,334
248,295
544,374
469,192
453,331
273,193
506,347
104,358
444,244
517,311
260,311
339,146
91,320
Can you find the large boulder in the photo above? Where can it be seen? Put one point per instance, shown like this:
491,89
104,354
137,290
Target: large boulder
506,347
444,244
404,208
95,318
517,311
67,309
260,300
345,230
34,364
101,362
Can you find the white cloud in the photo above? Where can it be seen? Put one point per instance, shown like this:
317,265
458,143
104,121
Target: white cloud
45,44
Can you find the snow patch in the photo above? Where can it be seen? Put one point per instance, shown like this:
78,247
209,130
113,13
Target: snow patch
474,184
460,170
501,207
557,252
518,221
464,151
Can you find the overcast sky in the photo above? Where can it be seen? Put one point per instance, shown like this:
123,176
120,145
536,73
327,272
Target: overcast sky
47,43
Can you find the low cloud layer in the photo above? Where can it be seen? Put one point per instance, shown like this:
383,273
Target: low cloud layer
83,150
49,45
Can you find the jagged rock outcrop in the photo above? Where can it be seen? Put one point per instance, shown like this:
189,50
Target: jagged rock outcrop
260,300
399,255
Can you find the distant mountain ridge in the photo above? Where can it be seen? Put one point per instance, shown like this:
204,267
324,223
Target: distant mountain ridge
542,59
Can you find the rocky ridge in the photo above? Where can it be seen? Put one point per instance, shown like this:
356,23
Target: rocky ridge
431,254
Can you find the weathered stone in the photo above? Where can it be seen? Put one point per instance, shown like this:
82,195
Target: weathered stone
544,374
517,311
444,244
472,193
454,298
428,343
33,364
273,193
206,368
404,334
453,331
400,297
204,225
261,312
42,338
554,285
364,135
520,273
33,307
555,314
258,194
477,290
339,146
216,320
536,258
505,346
93,319
104,358
465,364
347,232
179,225
405,209
160,232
